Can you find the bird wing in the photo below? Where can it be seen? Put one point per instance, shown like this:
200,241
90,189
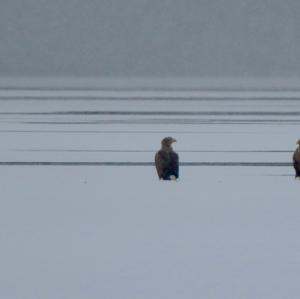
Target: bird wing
296,156
174,164
296,160
161,162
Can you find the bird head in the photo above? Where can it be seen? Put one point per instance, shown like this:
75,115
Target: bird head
167,141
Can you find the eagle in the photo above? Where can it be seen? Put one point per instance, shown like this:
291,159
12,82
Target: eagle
296,160
167,161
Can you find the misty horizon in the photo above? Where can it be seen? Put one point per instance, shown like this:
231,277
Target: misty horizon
157,39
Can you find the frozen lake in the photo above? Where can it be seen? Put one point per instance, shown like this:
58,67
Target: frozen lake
83,214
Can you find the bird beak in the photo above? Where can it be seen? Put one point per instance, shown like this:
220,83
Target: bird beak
174,140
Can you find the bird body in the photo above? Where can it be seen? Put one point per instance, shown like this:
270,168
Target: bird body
167,160
296,160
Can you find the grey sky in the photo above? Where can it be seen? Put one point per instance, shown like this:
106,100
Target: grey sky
132,38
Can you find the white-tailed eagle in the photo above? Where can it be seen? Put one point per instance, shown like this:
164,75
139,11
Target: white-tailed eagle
296,160
167,161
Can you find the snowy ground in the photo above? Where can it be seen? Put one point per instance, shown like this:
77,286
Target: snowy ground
118,232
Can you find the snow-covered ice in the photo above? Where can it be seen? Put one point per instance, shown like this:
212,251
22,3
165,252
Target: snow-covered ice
118,232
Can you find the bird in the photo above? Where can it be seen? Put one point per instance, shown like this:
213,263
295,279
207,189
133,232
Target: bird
296,160
167,160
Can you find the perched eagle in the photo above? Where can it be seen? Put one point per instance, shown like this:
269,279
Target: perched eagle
167,161
296,160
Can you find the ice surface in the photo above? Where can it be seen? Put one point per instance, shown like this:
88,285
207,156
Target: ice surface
118,232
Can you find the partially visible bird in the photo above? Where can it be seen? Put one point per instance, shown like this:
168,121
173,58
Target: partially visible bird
296,160
167,161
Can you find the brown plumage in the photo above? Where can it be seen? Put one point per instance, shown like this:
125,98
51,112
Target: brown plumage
296,160
167,161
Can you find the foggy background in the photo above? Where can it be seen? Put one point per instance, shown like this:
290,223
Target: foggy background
88,89
108,39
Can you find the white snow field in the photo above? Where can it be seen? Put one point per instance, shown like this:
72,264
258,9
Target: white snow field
72,228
